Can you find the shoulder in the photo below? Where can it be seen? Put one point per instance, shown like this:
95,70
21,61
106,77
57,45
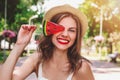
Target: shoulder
85,66
84,72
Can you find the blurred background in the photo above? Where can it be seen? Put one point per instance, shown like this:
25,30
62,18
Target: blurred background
101,43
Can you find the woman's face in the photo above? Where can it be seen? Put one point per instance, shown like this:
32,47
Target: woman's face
65,39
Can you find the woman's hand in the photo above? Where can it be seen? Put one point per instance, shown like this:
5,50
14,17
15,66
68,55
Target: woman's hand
25,34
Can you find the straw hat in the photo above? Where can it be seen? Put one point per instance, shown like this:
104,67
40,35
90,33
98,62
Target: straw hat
67,8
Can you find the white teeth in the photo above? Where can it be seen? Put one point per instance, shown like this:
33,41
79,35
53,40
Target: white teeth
63,40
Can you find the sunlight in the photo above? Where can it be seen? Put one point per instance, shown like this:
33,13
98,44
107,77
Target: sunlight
51,3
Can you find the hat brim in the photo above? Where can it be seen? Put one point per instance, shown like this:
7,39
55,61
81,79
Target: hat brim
67,8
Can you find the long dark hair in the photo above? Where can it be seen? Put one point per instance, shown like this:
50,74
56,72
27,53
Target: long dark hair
46,46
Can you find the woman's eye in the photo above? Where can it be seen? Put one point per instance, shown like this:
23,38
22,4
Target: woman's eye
72,30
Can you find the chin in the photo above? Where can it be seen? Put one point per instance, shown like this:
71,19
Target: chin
62,47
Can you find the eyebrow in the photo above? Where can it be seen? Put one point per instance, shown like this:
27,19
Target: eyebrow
73,28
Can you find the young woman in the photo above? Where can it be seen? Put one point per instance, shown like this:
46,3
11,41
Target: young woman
58,56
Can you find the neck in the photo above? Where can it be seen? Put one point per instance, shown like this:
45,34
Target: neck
59,56
60,60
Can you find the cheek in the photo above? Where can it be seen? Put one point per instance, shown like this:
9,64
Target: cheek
73,37
54,39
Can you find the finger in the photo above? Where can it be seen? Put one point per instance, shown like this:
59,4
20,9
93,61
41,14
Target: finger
29,28
24,27
32,26
32,29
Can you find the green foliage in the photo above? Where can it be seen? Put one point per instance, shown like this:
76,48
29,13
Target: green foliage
110,23
90,12
2,22
110,20
19,13
3,55
23,14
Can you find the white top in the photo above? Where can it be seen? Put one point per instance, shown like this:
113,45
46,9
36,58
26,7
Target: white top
40,77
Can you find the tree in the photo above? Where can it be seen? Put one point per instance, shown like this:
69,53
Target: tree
18,13
11,7
110,20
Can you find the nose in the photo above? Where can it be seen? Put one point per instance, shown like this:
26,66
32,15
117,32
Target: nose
64,33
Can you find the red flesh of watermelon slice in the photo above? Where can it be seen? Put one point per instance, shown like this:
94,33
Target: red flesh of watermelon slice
50,28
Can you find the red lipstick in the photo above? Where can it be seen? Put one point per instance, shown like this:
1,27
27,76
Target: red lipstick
63,41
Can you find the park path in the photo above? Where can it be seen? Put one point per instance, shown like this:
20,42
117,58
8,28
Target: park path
102,70
105,70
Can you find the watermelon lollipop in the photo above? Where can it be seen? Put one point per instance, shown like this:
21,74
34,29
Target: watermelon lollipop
50,28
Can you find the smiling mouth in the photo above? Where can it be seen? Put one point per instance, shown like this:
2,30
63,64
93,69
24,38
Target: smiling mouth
63,41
